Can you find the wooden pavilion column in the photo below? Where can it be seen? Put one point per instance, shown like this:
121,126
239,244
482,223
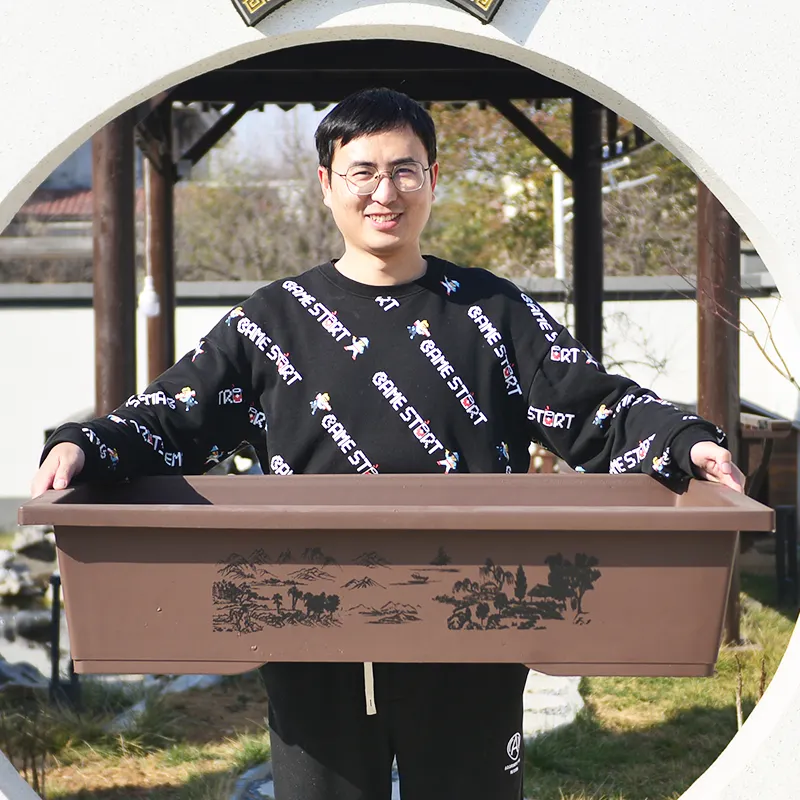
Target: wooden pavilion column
718,293
587,228
114,263
160,226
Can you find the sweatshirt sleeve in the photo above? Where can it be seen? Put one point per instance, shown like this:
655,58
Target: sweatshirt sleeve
191,417
599,422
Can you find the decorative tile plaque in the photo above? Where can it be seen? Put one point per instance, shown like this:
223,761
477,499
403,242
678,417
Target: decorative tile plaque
253,11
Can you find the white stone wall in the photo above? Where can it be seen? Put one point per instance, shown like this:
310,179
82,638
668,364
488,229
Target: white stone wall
712,80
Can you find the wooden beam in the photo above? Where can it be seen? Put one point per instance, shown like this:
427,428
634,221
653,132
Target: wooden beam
216,132
323,87
587,226
160,227
114,263
150,135
535,135
718,291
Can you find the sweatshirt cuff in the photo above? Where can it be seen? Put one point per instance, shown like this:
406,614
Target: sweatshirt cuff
71,432
681,446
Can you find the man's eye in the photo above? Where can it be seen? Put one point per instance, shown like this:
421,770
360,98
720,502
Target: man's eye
361,174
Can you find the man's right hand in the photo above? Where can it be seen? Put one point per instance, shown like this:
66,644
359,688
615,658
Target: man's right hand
62,464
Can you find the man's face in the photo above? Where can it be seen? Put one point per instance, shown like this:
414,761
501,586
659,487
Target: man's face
388,221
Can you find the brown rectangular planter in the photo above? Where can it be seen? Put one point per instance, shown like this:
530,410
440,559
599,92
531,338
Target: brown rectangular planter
571,574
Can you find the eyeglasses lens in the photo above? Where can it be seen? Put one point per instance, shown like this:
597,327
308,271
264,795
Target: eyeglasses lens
406,178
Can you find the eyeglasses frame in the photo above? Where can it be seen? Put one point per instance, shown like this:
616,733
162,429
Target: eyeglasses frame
381,174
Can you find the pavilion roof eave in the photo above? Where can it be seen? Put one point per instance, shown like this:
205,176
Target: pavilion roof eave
324,73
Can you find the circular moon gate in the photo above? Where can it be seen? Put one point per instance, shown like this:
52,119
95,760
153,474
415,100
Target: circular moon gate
707,80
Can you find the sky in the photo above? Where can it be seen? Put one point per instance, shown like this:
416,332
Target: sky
262,134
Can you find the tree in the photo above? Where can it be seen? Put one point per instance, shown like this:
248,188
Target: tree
494,203
482,611
500,601
295,594
278,600
520,585
257,220
570,582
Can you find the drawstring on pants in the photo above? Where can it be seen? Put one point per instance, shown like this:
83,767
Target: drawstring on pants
369,688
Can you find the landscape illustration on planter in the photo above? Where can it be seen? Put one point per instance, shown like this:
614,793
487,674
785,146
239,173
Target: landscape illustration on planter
254,592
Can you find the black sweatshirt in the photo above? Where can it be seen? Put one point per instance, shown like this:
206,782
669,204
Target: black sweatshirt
455,372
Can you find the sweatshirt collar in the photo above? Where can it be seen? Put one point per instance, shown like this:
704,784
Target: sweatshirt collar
426,281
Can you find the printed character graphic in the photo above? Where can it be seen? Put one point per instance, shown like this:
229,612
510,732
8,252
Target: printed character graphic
118,420
450,286
236,312
198,350
114,456
214,455
321,402
502,451
579,469
661,463
548,418
236,394
641,451
450,461
590,359
359,346
603,413
419,328
187,395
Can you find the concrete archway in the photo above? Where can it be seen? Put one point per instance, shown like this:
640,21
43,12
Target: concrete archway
707,80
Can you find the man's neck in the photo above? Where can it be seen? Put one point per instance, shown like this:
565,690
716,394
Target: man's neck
375,271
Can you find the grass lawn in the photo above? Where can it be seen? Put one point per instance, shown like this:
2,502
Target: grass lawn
637,739
651,738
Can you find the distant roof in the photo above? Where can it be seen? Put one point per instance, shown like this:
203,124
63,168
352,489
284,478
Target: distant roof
64,204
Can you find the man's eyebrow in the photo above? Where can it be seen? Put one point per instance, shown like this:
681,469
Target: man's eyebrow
394,163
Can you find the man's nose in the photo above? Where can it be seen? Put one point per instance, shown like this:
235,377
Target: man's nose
385,191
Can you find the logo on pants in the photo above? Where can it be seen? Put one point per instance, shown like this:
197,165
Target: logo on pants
514,748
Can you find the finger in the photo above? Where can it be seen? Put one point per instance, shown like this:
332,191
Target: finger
42,481
63,474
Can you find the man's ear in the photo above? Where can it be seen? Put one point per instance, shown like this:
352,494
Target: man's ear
434,176
325,184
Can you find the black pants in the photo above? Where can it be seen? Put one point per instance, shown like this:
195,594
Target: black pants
455,730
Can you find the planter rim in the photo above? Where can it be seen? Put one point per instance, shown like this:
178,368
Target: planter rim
704,506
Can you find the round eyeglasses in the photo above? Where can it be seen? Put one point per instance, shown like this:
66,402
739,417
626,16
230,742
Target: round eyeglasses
363,179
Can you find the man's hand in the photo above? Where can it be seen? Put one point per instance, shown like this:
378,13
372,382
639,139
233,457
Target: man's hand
714,463
62,464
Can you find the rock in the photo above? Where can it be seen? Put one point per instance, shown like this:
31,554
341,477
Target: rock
181,683
6,557
22,675
36,542
33,624
549,702
15,580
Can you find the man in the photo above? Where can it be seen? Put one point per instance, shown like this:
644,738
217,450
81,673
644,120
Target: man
386,360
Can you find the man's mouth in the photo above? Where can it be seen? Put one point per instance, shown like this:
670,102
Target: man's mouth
383,217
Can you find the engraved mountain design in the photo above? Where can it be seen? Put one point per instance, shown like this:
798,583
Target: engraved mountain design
389,613
316,556
362,583
308,574
371,559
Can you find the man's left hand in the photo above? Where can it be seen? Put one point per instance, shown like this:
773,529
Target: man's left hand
714,463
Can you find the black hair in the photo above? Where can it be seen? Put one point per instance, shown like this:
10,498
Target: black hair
372,111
